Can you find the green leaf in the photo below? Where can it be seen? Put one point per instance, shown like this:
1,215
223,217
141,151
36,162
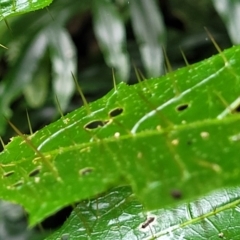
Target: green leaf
110,33
149,30
63,56
36,91
22,73
13,224
118,215
175,133
15,7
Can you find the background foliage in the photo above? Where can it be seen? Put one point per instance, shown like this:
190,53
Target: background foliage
81,38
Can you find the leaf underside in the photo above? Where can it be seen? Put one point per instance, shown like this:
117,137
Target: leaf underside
178,133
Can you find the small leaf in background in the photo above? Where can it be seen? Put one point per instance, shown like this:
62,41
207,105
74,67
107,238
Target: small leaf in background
118,215
229,10
64,63
110,33
150,33
30,32
36,91
21,73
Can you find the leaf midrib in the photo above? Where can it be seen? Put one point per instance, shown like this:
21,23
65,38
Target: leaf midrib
146,133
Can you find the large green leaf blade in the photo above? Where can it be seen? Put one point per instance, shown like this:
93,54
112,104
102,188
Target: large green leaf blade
145,135
118,215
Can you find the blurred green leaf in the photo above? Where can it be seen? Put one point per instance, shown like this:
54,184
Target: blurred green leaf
15,7
143,135
27,48
150,33
229,10
36,91
118,215
22,72
110,33
63,56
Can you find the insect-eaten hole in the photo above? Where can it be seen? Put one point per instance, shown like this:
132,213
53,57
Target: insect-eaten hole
34,172
8,174
95,124
86,171
176,194
115,112
237,109
147,223
18,184
182,107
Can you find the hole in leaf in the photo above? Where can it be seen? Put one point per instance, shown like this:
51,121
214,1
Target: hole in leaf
147,222
95,124
34,172
237,109
85,171
115,112
8,174
182,107
56,220
18,184
176,194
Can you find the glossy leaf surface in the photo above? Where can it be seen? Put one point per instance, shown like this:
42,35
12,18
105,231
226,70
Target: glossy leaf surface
118,215
176,133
